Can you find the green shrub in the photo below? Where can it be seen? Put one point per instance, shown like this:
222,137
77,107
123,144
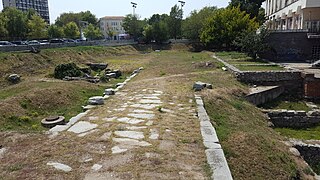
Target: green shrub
69,69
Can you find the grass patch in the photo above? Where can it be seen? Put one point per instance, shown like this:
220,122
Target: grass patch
305,134
286,102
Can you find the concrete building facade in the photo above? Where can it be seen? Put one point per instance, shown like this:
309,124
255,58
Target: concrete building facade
111,27
295,30
41,6
293,15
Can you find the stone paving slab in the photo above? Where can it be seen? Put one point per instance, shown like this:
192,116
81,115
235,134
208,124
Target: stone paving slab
214,152
82,126
217,162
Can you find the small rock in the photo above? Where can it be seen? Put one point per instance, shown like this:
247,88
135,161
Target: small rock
96,100
111,75
209,86
60,166
198,86
96,167
109,91
14,78
294,151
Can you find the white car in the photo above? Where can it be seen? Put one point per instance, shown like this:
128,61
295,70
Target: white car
6,43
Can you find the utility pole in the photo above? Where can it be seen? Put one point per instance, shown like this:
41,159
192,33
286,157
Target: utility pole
134,6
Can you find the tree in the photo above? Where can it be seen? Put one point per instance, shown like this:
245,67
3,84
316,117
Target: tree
221,29
16,23
133,26
174,22
71,30
250,6
158,32
253,43
92,32
110,33
55,31
3,30
37,27
66,18
193,25
89,17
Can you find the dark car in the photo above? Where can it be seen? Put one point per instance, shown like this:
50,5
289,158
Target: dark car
19,43
52,41
69,40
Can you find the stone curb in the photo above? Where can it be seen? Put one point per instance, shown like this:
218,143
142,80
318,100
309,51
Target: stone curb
215,156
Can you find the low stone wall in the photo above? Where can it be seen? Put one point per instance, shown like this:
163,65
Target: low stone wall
60,45
263,96
294,119
262,77
310,153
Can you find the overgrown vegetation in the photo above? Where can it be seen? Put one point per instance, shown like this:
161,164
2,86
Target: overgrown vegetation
69,69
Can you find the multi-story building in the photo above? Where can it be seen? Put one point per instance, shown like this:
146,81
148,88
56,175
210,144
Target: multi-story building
111,27
41,6
293,15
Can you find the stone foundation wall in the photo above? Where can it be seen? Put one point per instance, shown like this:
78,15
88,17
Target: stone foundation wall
292,81
294,119
310,153
265,96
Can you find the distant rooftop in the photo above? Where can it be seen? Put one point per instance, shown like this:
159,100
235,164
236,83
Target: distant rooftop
113,17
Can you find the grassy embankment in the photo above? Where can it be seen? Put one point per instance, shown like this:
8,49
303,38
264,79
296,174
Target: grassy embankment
253,150
23,105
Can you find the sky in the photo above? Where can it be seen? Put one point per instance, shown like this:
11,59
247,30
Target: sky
145,8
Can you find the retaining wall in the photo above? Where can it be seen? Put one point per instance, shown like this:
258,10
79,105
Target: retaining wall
290,46
264,96
294,119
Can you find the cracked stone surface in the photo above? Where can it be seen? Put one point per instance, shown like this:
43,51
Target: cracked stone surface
82,126
142,116
130,134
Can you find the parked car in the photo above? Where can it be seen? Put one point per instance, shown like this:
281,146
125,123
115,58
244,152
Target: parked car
33,42
80,40
69,40
6,43
56,40
44,41
19,42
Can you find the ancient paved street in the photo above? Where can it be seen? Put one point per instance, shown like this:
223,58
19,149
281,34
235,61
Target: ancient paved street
145,131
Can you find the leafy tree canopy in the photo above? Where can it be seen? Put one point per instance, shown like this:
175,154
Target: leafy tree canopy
92,32
37,27
222,28
71,30
192,26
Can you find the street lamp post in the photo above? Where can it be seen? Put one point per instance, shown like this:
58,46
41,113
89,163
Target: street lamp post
182,3
134,6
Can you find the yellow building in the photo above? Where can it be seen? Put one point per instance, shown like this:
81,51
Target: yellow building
111,27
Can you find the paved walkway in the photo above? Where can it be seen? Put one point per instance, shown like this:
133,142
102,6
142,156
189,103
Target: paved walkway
146,131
